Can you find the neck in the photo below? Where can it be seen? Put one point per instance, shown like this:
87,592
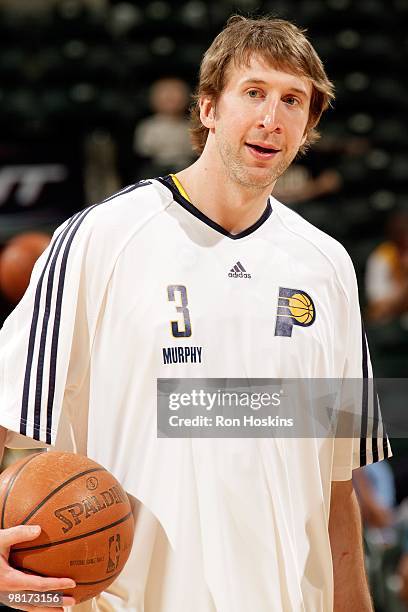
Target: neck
233,206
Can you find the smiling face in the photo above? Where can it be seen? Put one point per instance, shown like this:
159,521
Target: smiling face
258,122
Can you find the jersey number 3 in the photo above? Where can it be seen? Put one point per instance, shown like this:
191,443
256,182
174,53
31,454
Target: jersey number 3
178,295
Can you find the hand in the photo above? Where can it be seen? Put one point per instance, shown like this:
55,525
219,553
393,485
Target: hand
12,580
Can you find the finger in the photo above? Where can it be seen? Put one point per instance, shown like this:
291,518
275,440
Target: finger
68,601
14,580
20,533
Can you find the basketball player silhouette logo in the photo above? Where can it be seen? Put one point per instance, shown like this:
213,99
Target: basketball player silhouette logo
114,553
295,307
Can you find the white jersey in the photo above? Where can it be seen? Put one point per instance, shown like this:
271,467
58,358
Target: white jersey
144,286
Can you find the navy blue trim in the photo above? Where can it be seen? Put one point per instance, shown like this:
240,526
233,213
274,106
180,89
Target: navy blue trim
33,329
76,219
56,328
364,402
168,182
374,441
376,412
43,338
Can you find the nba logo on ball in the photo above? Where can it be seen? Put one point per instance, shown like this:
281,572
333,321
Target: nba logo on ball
295,307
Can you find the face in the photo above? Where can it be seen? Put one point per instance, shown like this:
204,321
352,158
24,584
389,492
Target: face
169,97
258,123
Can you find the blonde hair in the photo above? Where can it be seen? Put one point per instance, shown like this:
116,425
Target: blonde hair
282,45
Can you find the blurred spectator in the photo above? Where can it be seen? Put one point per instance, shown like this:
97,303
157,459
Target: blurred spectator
403,573
386,533
376,494
299,185
163,138
387,273
319,175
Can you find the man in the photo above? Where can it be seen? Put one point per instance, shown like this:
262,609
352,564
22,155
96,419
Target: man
387,273
185,276
162,139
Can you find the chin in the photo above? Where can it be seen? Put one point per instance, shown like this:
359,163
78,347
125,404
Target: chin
259,180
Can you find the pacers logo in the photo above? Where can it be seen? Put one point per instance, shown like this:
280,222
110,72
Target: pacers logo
295,307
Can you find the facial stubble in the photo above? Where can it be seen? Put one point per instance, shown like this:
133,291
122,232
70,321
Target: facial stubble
239,173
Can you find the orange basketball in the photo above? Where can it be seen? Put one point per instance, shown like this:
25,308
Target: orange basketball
85,515
17,261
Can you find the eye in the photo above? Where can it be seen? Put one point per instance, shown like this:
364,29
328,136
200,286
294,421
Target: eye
253,93
291,100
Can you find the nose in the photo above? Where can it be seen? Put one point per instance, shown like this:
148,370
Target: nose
269,118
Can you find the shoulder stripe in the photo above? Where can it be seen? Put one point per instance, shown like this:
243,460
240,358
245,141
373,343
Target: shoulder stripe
33,329
372,425
364,400
123,191
52,307
46,318
55,334
374,441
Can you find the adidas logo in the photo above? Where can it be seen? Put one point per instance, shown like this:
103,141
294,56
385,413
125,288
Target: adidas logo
238,271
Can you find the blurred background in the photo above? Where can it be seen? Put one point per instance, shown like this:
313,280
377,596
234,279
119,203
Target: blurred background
94,95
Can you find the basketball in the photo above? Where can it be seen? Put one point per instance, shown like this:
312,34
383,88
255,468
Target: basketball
301,308
17,261
85,516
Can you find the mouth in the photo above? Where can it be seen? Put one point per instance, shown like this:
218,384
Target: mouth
262,152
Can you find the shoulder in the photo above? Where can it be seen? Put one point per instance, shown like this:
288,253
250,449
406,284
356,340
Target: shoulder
100,232
133,204
316,247
124,213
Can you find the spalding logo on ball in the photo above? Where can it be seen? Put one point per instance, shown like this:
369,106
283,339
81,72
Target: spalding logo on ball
85,515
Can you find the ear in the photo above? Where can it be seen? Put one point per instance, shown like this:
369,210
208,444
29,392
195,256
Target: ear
207,111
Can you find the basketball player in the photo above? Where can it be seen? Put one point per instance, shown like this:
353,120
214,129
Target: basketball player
192,276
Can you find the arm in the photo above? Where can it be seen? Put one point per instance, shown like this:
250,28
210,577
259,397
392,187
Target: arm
350,583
